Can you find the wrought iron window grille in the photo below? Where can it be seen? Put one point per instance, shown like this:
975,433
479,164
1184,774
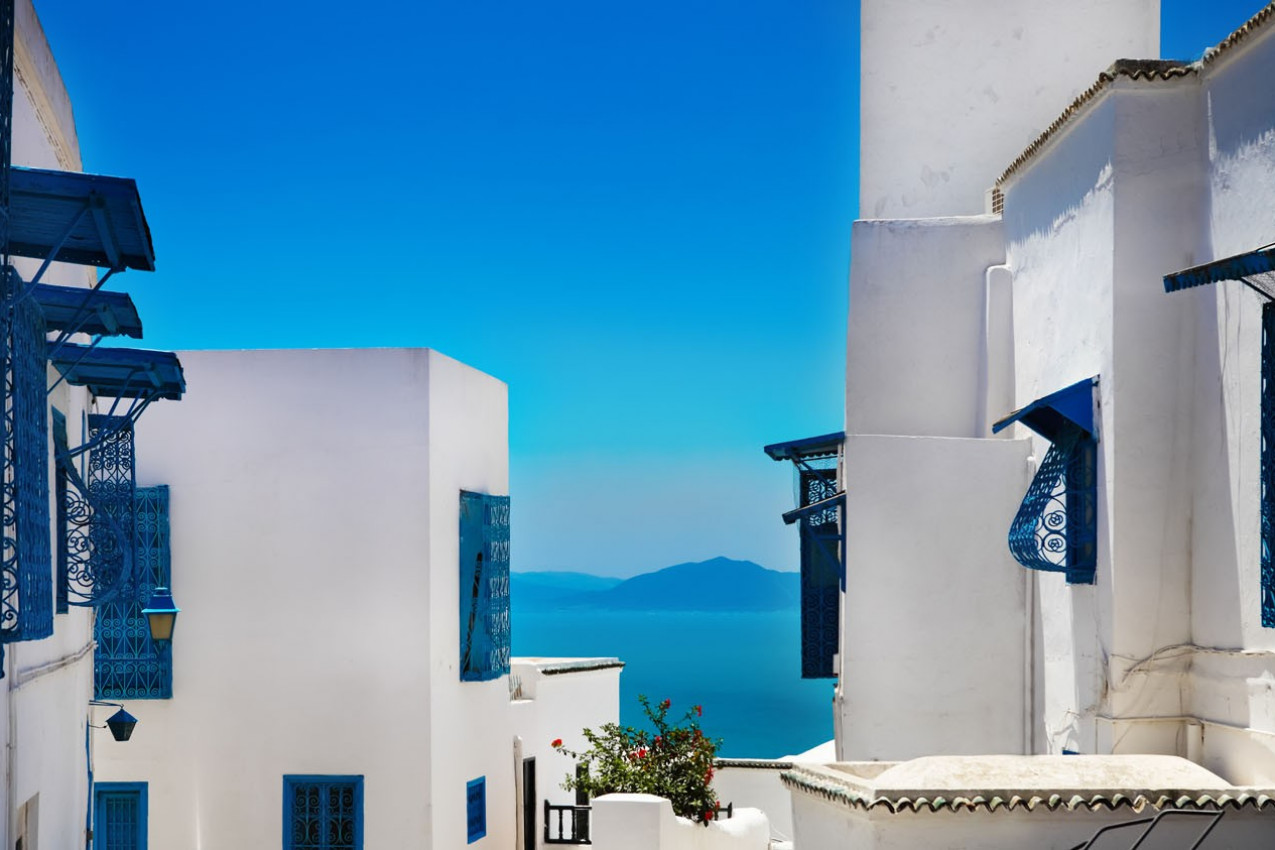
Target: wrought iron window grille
1056,526
1256,271
322,812
820,515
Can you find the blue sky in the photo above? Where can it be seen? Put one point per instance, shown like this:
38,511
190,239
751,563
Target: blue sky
635,213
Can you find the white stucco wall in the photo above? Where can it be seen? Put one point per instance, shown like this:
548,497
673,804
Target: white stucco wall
934,627
314,550
48,683
951,92
754,784
647,822
914,339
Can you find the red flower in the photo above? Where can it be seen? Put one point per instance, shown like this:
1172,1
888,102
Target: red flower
665,705
708,776
557,742
699,710
708,815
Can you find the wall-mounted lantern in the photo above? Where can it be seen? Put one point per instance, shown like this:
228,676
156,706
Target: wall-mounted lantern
162,614
121,723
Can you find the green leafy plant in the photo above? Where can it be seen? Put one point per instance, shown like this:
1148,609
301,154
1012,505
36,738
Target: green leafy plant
675,761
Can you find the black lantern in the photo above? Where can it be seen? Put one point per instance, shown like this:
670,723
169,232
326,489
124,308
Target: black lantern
162,614
121,724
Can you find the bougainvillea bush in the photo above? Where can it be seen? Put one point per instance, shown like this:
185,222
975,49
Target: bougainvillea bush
674,761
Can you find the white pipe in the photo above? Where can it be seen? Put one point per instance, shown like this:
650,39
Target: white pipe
31,673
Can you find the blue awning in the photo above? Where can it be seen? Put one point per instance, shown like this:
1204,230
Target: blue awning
826,445
87,218
1048,416
1239,267
122,372
90,311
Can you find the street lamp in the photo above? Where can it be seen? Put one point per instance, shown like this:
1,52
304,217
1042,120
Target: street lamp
162,614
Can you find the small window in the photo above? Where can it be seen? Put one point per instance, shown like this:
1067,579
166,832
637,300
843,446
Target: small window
476,808
322,812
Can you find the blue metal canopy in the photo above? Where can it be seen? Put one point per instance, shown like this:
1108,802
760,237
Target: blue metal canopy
1240,267
90,311
71,217
1050,415
122,372
826,445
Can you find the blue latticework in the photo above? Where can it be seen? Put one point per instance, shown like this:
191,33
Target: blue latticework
1055,529
322,812
119,816
820,574
102,551
1268,465
62,483
484,586
26,569
127,664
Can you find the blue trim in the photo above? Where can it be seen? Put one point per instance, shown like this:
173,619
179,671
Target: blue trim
291,810
1267,502
1238,267
826,445
476,809
121,372
61,479
96,312
101,833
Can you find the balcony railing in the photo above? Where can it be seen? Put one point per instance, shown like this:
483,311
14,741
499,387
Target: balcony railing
571,826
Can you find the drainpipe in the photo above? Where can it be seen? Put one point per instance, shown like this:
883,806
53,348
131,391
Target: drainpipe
11,741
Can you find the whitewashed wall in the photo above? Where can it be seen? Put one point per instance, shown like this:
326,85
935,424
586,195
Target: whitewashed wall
934,628
48,683
914,356
646,822
314,532
951,92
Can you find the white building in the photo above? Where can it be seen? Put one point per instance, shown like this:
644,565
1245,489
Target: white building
46,618
1022,208
322,689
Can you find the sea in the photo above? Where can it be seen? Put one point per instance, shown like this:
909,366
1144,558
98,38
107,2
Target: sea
743,668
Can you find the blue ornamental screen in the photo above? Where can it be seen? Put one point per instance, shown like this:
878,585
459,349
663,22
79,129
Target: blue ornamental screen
119,816
127,664
322,812
62,480
484,586
1268,465
26,564
111,483
1055,529
820,575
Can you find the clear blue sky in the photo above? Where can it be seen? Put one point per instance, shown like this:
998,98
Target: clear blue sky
635,213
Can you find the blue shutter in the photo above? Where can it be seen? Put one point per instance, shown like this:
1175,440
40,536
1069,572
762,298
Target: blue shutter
475,809
26,565
820,575
62,475
484,586
322,812
127,665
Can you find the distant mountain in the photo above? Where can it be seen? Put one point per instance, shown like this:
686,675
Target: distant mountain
549,591
719,584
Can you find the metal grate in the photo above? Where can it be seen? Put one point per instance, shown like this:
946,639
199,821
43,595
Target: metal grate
323,813
820,571
1055,529
484,586
26,568
127,664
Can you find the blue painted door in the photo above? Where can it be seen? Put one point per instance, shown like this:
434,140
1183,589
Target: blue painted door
119,816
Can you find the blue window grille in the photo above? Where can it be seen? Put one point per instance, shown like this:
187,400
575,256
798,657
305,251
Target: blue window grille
322,812
127,664
475,809
61,479
819,513
119,815
1056,527
26,566
484,586
1268,465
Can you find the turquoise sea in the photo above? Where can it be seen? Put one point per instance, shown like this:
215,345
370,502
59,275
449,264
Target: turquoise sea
742,667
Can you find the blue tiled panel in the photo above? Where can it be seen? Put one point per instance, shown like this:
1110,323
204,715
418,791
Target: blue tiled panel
484,586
